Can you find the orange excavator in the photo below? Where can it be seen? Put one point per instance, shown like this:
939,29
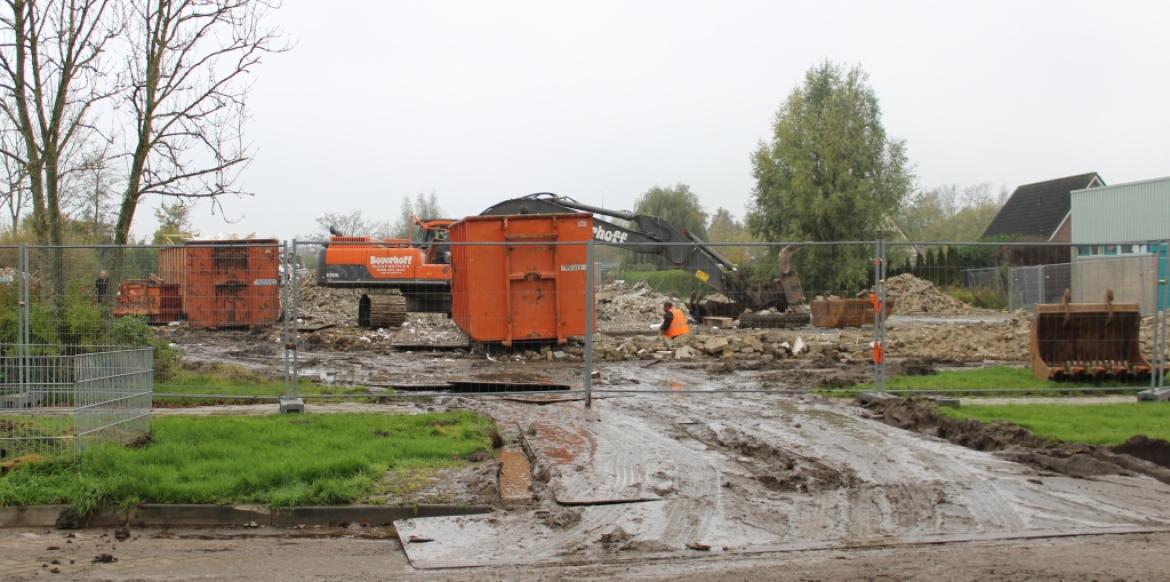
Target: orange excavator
398,275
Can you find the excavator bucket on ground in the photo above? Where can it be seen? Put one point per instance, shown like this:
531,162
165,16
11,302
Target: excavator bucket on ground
836,312
1087,340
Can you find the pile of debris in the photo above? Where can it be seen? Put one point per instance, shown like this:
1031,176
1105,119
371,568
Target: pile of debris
758,345
914,295
429,329
970,342
326,305
620,301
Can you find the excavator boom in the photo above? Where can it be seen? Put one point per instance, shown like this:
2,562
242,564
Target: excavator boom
652,235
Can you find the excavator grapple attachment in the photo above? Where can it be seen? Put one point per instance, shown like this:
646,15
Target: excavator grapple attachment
1087,340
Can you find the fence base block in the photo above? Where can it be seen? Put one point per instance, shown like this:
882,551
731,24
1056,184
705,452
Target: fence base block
1154,395
292,405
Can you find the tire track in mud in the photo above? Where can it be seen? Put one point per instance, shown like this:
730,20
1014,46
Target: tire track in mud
755,472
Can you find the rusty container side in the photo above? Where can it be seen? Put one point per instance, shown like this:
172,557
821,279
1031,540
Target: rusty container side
159,303
172,266
232,284
520,292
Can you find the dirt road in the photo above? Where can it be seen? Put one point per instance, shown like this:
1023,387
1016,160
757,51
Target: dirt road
264,554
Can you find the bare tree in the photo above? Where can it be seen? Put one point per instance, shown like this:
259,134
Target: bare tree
14,195
187,65
50,67
351,224
425,206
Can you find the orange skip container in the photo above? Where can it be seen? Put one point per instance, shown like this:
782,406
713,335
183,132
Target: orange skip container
511,292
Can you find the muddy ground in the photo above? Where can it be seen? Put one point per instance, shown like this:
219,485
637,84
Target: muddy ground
705,478
358,554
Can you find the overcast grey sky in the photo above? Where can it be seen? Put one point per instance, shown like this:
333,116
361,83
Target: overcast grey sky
482,101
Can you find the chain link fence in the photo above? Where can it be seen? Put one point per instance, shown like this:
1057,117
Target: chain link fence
363,318
1000,306
1028,286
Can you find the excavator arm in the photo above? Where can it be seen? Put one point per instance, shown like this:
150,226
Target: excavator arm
645,234
652,235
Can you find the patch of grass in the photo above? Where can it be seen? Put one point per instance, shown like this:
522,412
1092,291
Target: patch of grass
272,460
674,282
231,380
982,298
1098,424
1013,381
35,425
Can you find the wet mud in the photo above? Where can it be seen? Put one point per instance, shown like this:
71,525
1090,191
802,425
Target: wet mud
1140,454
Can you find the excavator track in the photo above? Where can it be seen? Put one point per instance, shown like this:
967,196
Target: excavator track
773,320
378,311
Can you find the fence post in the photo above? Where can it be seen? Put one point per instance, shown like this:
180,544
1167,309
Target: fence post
23,314
879,324
1161,310
587,381
292,401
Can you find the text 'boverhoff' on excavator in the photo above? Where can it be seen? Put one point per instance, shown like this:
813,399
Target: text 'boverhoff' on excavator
397,275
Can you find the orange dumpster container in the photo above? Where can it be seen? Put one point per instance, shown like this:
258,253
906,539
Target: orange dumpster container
520,292
231,284
160,303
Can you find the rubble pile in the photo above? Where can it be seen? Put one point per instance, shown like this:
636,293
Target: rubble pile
914,295
621,301
756,345
326,305
428,328
419,329
970,342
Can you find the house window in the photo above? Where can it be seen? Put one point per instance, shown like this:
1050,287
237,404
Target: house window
1126,249
1084,251
1110,250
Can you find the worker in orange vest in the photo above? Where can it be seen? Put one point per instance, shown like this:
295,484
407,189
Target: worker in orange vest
674,322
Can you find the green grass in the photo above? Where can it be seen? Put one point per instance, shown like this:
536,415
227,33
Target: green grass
1098,424
231,380
39,425
271,460
675,282
1019,380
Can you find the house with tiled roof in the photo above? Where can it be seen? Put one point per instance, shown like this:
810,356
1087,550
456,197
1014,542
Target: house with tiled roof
1040,211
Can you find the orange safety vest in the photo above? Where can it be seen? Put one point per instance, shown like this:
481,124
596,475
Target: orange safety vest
678,323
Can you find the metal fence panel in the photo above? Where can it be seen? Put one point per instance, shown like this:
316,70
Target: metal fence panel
53,400
1038,284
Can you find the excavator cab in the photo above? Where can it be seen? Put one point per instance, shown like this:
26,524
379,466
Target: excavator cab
1087,340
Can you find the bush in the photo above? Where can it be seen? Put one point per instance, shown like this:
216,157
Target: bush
982,298
88,326
134,331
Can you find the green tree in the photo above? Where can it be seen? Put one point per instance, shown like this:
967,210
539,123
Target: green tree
724,228
676,205
174,223
950,212
828,173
